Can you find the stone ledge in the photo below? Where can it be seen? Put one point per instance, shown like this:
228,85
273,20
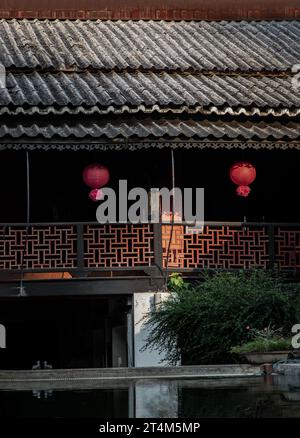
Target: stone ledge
181,372
288,369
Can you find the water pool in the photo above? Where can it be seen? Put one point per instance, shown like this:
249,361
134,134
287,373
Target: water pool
258,397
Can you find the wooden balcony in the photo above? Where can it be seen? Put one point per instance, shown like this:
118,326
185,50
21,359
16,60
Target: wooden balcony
90,249
232,245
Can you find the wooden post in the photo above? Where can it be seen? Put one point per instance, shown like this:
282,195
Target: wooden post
80,248
271,243
158,249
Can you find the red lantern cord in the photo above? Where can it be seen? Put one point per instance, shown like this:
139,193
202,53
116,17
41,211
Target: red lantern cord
243,174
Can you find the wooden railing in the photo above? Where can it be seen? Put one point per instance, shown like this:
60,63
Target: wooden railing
78,246
235,245
93,247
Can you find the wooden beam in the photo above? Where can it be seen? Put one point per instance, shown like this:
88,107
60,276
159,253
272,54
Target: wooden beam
151,9
83,287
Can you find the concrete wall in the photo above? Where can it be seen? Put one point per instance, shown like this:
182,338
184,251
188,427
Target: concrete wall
142,304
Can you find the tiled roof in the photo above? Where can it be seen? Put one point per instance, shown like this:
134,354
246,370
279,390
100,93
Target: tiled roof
117,72
150,45
144,128
133,89
125,109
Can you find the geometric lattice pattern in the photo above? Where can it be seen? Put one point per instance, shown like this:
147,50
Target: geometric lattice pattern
218,247
40,247
287,248
46,247
177,247
118,246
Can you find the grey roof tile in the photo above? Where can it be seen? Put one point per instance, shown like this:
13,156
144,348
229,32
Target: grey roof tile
120,45
128,128
148,89
125,109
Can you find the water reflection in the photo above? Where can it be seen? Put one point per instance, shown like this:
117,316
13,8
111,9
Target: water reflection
42,394
269,397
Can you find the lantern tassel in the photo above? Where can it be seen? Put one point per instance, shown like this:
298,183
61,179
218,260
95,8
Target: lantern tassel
243,191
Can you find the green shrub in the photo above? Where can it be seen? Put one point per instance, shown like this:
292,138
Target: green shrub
176,282
200,324
295,294
268,339
261,346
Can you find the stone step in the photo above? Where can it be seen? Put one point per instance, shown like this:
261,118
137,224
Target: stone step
201,371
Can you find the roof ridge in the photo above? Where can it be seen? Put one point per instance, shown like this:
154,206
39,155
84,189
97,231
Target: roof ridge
142,109
221,21
149,128
178,72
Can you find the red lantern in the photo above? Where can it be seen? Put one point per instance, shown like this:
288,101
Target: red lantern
96,176
243,174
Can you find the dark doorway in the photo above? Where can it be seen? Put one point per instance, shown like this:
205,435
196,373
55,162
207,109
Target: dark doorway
64,332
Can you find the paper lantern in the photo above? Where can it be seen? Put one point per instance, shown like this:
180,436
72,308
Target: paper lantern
243,174
96,176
